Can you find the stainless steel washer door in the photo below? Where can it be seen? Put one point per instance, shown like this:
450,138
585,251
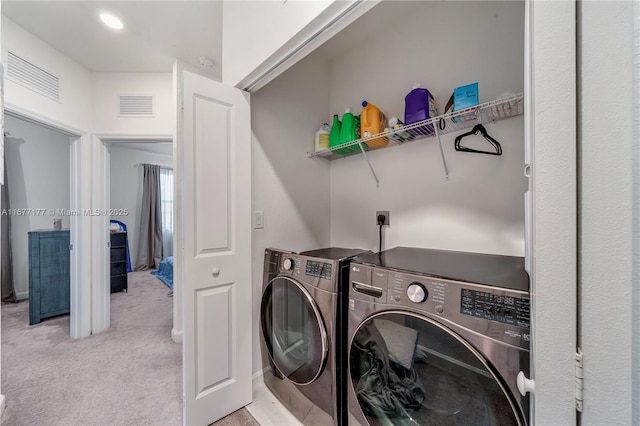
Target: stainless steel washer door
409,370
293,330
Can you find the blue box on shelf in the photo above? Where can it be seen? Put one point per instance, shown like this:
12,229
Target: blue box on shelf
465,97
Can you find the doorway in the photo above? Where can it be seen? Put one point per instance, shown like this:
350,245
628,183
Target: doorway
129,209
42,179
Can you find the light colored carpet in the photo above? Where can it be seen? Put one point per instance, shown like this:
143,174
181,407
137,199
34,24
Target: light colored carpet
130,374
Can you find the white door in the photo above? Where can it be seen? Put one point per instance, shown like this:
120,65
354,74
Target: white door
214,152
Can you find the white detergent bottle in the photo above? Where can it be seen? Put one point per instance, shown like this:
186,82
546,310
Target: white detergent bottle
322,138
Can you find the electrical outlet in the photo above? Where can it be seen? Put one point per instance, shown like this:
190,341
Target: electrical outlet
385,213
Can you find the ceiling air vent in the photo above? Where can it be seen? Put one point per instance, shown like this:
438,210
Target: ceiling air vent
136,106
31,76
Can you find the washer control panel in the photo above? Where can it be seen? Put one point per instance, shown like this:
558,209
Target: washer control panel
318,269
413,289
494,307
495,312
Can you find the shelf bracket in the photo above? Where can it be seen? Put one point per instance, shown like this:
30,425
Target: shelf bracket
373,172
444,160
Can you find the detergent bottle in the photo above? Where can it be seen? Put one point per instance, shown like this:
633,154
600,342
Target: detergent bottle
372,122
348,132
322,138
419,105
334,134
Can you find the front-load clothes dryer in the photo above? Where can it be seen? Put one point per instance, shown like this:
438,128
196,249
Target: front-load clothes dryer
437,337
303,346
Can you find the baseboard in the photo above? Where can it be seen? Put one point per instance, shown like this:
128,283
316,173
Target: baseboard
266,408
176,336
22,295
258,377
2,399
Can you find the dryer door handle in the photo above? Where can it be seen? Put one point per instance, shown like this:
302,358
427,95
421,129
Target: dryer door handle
367,289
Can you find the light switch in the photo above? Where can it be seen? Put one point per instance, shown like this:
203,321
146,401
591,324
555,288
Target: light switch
258,220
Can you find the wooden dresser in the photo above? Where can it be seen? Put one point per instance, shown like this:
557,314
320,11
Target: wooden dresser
49,274
118,265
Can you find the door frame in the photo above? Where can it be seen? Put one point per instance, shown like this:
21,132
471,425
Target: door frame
550,139
80,307
101,301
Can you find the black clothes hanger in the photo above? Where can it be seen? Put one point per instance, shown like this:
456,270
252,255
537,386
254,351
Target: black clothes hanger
479,128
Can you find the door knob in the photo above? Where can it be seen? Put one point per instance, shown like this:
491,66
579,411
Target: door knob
525,385
215,271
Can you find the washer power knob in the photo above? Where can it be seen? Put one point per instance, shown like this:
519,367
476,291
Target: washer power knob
417,293
287,264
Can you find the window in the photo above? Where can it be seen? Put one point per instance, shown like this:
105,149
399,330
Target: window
166,207
166,198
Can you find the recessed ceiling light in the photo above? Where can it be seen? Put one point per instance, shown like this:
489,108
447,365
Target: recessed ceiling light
111,21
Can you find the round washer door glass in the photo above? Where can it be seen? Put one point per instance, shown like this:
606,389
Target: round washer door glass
293,330
408,370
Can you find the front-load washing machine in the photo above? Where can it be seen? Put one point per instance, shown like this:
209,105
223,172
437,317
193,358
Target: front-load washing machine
437,337
302,325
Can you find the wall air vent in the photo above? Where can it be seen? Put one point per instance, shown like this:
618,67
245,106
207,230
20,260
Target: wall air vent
31,76
136,106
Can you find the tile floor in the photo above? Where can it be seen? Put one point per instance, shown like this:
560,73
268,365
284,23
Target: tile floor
267,410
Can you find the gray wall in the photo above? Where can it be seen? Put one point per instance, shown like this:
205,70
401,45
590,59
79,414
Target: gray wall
37,161
291,190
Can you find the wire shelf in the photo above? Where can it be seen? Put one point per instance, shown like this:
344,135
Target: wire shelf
485,113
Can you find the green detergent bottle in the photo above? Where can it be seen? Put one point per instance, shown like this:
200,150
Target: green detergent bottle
334,135
348,132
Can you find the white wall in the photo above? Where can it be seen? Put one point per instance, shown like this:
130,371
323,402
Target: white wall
126,187
636,217
106,87
292,191
606,213
88,100
481,208
242,51
38,178
74,108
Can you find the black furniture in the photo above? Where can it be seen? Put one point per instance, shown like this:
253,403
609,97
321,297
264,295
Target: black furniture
49,274
118,259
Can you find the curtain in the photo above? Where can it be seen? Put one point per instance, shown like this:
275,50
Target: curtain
8,292
150,234
166,200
